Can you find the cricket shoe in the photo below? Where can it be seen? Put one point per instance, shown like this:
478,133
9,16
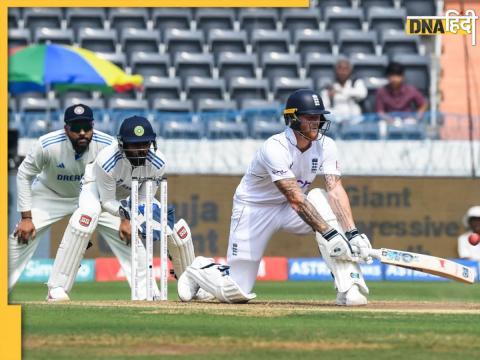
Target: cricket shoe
352,297
57,294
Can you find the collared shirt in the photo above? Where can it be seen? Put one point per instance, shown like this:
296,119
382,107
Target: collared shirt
406,99
279,158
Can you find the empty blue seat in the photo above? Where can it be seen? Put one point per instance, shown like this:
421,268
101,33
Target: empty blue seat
214,18
384,18
397,42
337,18
171,18
221,41
294,19
233,65
360,131
354,41
248,88
406,132
218,129
283,87
320,66
365,65
277,65
313,41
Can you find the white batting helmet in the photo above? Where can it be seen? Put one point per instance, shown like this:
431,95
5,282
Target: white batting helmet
474,211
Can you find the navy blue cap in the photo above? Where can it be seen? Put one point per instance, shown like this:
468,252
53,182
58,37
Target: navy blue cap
78,112
136,129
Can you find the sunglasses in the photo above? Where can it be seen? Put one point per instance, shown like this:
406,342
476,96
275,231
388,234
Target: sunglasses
77,127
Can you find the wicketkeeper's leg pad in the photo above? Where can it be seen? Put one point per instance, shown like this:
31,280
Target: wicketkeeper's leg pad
214,278
180,247
74,243
345,273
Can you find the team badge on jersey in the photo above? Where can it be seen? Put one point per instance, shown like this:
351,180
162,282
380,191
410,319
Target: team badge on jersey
139,130
314,165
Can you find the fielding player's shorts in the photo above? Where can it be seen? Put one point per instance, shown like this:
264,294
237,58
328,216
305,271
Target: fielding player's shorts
251,227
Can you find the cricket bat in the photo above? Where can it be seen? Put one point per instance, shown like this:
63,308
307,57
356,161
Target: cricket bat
425,263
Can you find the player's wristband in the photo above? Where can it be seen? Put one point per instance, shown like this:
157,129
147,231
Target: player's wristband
352,233
26,217
330,234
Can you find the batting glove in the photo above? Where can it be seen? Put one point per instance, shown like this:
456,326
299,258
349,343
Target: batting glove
360,242
337,246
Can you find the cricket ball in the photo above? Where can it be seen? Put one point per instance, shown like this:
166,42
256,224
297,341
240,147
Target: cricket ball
474,239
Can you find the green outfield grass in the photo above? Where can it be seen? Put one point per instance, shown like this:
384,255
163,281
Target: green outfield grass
292,320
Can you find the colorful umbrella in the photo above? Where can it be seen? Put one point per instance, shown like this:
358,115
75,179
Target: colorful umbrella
48,66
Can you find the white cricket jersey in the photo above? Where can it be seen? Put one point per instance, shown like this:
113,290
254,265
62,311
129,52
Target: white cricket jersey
54,162
113,172
279,158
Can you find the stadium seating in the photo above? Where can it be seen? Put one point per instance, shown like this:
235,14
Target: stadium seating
360,131
320,66
214,18
367,4
420,7
56,36
125,18
13,17
242,88
204,88
265,41
283,87
82,18
177,40
18,37
313,41
406,132
171,18
139,40
216,110
187,65
217,129
356,42
42,17
295,19
277,65
258,18
337,18
120,109
365,65
383,18
98,40
118,59
232,65
147,64
37,115
161,88
219,56
416,70
220,41
372,84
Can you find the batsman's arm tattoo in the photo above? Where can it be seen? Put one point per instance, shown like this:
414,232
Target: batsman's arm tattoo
338,200
301,205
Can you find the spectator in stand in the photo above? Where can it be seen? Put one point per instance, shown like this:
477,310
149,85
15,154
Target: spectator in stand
343,96
471,220
398,101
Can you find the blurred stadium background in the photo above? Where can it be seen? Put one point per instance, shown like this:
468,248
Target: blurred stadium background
215,81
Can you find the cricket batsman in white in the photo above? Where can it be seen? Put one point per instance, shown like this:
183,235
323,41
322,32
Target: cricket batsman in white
106,187
48,183
272,197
